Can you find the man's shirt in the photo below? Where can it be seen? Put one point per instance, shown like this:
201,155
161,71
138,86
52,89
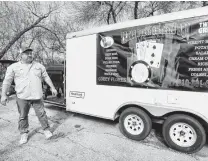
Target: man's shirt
28,79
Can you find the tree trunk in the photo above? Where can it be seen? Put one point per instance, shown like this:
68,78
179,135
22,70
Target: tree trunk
136,10
108,18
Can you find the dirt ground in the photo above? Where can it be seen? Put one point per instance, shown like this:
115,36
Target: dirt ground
81,138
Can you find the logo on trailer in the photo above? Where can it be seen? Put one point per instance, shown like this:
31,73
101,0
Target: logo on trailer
106,42
203,28
76,94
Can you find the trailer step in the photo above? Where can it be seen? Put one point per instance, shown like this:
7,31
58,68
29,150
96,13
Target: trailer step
55,103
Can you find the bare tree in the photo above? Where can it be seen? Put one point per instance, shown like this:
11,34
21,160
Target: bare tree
204,3
151,8
101,12
18,35
185,5
114,8
44,25
25,18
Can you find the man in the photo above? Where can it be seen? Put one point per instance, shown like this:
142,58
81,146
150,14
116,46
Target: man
27,75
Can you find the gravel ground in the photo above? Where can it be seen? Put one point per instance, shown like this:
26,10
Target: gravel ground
81,138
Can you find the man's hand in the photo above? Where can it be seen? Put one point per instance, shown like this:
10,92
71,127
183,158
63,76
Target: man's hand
4,100
54,91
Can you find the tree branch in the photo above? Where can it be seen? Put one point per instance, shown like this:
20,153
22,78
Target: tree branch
121,8
53,34
136,9
17,36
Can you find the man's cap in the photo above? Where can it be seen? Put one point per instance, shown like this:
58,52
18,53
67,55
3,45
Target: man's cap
26,50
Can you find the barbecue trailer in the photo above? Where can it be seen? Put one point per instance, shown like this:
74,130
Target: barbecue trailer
145,70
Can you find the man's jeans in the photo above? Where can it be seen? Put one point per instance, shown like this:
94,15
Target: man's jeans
24,107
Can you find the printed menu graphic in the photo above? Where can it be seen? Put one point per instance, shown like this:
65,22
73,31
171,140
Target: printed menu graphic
175,52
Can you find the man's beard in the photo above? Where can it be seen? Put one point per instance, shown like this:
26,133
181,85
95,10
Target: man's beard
29,60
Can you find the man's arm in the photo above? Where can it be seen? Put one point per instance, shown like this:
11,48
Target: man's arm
49,82
47,79
5,89
9,77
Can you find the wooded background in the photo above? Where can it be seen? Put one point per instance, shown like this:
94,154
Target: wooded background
43,25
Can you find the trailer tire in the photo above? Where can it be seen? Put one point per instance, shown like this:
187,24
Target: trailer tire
184,133
135,124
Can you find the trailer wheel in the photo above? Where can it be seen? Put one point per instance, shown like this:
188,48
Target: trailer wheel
184,133
135,124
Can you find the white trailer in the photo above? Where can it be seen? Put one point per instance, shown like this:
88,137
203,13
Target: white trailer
143,70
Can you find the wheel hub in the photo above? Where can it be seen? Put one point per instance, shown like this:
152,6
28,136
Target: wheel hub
183,134
133,124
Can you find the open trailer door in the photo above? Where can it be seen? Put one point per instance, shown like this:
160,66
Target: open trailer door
57,75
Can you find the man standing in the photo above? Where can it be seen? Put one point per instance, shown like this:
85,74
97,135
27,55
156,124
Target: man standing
28,75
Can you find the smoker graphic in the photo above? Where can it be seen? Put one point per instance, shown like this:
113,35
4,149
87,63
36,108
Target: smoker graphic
148,56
